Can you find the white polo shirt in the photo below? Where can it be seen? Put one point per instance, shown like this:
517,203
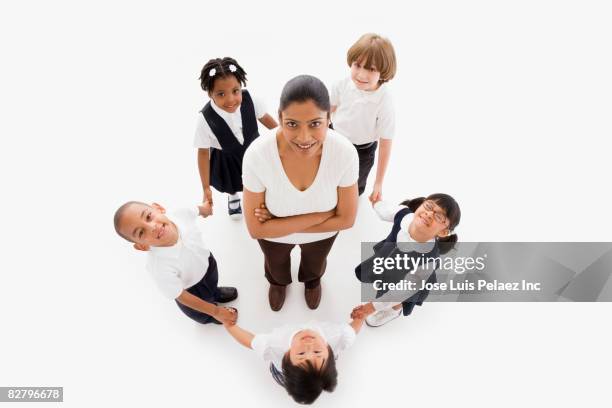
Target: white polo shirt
362,116
271,347
262,171
184,264
204,136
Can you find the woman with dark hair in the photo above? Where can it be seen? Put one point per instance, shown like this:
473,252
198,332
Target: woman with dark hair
300,188
422,230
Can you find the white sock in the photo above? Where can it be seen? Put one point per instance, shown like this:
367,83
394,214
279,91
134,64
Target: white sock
236,196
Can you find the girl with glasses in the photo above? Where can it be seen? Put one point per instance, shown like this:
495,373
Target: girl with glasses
422,228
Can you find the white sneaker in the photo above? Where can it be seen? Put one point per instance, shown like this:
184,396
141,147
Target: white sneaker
382,317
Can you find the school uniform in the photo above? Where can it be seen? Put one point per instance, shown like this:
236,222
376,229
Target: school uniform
400,242
363,117
187,265
273,346
228,135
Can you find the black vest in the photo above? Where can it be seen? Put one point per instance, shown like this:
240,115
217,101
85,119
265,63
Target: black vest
226,164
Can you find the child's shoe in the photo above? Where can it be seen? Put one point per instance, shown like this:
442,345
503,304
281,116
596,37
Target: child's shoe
226,294
234,209
382,317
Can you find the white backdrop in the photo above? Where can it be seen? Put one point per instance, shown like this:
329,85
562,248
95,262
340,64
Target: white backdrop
504,105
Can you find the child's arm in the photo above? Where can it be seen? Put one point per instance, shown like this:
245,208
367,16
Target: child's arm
223,314
384,152
240,335
268,121
204,167
356,324
386,211
345,214
276,227
333,108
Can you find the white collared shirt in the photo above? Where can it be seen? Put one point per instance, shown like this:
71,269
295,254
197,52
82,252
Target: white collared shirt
183,264
204,136
273,346
362,116
386,212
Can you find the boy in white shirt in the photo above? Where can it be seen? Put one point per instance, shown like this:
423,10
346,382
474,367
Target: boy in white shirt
182,266
362,109
302,357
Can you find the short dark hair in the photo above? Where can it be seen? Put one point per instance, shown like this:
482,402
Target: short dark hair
119,214
222,67
453,213
305,383
304,88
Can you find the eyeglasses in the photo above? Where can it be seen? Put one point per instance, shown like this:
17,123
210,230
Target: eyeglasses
440,217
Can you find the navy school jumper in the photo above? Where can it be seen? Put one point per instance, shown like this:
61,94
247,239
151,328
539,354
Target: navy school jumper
226,164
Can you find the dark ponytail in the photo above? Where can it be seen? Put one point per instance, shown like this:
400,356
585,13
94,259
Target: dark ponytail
447,243
414,203
452,211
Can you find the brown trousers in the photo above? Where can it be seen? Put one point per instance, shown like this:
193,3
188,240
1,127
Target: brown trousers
277,261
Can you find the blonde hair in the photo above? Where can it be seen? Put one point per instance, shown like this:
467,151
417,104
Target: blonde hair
374,51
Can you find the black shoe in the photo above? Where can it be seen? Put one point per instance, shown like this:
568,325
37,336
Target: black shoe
226,294
234,213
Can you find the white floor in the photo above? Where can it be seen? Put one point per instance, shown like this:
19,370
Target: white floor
115,339
505,106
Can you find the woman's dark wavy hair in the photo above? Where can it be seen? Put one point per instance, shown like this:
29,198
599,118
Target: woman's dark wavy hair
222,69
305,383
452,211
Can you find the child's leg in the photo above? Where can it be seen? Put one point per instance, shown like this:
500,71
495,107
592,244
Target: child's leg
234,200
366,161
206,290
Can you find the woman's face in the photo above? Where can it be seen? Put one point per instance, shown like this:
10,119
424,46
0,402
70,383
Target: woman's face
431,220
304,127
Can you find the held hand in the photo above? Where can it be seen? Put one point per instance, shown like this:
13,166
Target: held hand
226,315
263,214
205,209
376,195
362,311
208,196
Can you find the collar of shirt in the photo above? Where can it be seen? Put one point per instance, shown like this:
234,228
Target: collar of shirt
232,118
312,325
170,252
403,236
369,96
186,238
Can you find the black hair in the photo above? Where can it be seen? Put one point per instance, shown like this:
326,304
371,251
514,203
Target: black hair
304,88
119,214
222,67
452,211
305,383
